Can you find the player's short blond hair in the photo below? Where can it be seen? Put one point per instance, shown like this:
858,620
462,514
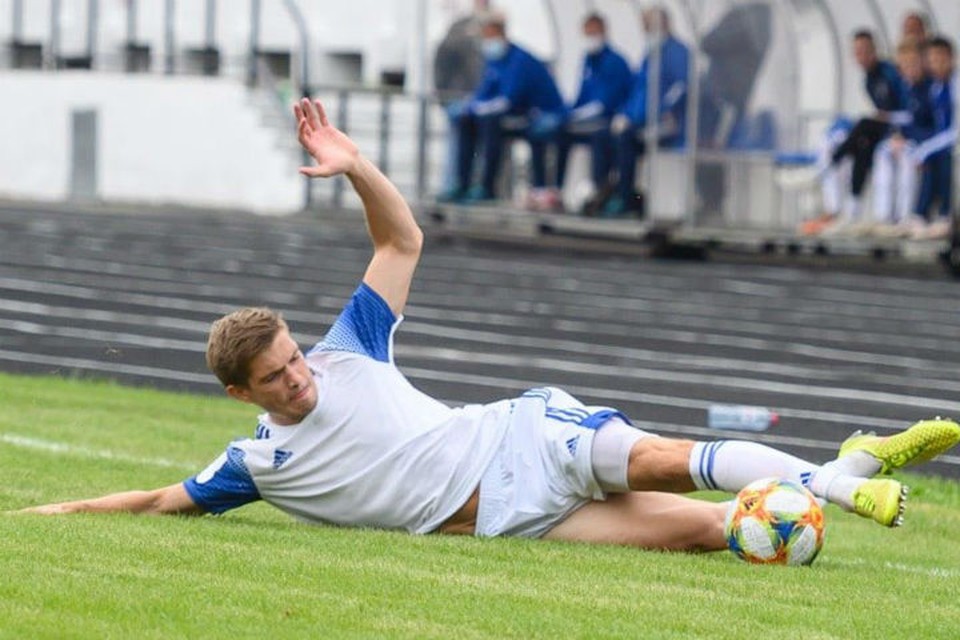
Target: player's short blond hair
239,337
910,45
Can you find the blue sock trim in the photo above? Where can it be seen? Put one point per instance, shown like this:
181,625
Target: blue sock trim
713,454
703,460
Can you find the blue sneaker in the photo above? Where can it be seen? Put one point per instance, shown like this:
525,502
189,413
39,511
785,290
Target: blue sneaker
452,196
478,195
614,208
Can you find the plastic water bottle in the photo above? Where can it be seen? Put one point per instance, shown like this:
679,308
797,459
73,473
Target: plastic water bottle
740,417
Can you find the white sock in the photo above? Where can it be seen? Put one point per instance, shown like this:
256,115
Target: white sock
730,465
857,463
854,208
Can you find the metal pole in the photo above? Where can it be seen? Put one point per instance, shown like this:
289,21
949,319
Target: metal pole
211,24
131,21
54,33
168,36
422,104
693,119
651,130
93,15
304,81
17,20
384,155
794,79
254,42
343,98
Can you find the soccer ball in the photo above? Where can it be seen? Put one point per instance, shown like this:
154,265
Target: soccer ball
774,521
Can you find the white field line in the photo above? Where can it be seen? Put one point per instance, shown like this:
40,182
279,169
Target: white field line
37,444
934,572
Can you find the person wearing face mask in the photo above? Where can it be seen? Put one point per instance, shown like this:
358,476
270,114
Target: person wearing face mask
604,87
517,97
628,124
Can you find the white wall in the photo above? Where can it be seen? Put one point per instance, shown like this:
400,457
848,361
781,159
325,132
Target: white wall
189,141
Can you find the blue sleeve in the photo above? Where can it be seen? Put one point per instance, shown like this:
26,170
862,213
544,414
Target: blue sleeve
676,67
893,96
943,111
225,484
487,88
635,107
365,326
585,94
515,81
613,83
606,79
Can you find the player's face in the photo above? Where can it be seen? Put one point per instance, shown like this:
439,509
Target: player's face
911,66
280,382
593,29
940,63
864,52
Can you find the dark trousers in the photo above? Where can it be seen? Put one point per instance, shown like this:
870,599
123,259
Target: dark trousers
860,144
486,133
936,184
601,154
628,146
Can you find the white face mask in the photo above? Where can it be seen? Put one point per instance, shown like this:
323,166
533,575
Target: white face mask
593,44
493,48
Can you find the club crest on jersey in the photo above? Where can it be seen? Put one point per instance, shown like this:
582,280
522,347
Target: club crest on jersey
280,456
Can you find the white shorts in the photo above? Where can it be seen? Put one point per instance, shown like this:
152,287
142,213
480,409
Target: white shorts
542,471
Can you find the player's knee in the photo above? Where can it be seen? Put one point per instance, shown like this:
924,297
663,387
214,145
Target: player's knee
660,464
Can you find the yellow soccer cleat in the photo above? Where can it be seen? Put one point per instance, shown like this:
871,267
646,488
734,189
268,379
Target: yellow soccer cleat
882,500
923,441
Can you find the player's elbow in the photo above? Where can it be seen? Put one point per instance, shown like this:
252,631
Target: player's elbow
409,244
416,242
170,501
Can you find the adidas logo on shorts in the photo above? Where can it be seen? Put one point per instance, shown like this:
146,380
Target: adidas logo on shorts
572,445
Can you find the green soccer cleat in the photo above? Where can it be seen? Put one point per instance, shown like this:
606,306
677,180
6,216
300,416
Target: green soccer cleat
923,441
882,500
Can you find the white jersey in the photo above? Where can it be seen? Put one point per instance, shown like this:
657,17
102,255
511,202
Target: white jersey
374,451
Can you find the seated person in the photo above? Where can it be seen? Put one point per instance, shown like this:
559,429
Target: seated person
628,125
935,154
517,97
604,87
833,177
889,96
896,161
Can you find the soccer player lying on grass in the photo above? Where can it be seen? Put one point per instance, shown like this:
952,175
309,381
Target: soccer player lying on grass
345,439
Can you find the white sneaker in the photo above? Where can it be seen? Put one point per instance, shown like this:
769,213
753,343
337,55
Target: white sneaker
939,229
913,226
847,229
936,230
890,230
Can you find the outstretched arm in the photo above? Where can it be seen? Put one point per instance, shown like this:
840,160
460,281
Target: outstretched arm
397,240
168,500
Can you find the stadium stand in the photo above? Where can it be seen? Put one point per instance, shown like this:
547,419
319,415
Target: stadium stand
371,62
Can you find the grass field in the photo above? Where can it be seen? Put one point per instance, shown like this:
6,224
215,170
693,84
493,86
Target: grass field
256,573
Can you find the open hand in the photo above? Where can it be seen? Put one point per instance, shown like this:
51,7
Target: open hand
334,152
